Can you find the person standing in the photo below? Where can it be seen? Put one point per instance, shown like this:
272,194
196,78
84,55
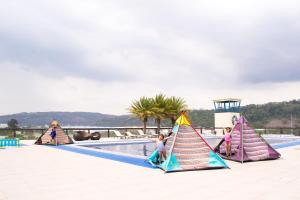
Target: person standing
227,139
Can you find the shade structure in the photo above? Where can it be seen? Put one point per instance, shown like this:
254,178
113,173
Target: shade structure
187,150
61,136
247,145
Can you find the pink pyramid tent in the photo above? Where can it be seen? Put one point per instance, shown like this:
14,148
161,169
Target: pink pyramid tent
246,145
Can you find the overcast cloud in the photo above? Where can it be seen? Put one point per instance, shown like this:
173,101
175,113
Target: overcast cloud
99,55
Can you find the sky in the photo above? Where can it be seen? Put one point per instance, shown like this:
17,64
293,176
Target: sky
98,56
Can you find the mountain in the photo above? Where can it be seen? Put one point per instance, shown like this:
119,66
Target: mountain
270,115
70,119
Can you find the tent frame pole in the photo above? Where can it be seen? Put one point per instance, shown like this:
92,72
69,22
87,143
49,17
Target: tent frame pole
242,138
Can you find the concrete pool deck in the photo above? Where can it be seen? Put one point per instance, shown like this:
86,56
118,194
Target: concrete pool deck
41,172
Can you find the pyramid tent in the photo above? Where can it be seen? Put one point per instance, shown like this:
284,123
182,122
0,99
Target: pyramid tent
61,136
246,145
187,150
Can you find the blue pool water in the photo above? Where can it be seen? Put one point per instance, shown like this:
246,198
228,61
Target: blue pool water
137,148
146,148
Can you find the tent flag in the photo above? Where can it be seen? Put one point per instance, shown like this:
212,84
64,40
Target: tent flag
187,150
182,120
247,145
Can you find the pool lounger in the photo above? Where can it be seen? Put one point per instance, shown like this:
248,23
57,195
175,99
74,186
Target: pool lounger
119,134
153,133
141,133
129,134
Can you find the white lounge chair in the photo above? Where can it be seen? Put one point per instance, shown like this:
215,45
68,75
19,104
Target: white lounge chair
165,131
141,133
118,134
153,132
129,134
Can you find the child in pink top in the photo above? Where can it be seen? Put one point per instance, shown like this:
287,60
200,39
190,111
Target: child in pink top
227,139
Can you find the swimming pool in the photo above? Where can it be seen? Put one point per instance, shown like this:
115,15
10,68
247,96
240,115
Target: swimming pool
145,148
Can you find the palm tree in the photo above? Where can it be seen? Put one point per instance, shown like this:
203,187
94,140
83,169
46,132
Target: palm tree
174,106
159,109
142,109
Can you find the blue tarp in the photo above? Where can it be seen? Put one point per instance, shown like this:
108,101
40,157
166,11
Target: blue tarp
215,160
170,164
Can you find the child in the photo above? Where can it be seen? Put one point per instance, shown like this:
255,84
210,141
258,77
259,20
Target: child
161,147
227,139
53,136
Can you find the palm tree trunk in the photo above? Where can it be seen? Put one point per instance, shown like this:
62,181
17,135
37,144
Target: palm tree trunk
173,120
145,125
158,125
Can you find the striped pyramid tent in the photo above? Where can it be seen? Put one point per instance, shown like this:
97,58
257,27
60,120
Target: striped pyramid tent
61,136
246,145
187,150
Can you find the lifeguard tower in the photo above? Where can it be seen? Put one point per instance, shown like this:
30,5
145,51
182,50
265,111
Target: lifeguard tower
227,111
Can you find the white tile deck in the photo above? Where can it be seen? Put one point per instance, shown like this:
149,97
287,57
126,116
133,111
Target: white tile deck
41,173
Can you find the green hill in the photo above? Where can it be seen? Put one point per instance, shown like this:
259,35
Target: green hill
274,114
265,115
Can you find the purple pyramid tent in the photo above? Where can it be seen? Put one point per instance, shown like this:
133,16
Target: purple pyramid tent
246,145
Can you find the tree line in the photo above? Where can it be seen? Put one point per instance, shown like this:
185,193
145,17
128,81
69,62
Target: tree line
258,115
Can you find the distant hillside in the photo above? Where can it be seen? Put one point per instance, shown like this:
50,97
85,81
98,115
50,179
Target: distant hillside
273,114
70,119
265,115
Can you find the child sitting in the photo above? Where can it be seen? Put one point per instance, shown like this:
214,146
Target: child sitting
160,145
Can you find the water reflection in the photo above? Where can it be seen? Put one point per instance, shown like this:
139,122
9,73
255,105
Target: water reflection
145,150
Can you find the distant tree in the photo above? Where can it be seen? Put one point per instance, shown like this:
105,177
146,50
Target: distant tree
13,124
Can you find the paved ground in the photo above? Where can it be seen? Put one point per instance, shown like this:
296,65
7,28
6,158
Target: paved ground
41,172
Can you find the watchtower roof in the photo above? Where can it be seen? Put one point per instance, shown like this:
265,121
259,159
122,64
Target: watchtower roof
227,100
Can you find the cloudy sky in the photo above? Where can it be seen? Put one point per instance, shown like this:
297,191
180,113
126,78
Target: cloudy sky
98,56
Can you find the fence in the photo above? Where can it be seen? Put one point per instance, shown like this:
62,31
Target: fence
34,133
